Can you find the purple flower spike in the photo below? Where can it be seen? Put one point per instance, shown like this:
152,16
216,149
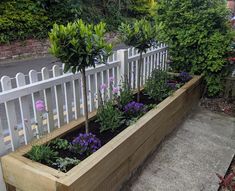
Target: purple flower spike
115,90
103,87
40,106
111,79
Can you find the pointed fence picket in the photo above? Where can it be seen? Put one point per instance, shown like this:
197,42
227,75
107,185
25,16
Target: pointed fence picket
20,122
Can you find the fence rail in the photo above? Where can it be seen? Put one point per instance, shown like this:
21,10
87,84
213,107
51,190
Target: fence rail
62,94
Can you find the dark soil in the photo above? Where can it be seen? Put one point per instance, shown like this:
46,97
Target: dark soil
222,105
94,128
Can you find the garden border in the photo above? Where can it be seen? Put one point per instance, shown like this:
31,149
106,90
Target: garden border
107,168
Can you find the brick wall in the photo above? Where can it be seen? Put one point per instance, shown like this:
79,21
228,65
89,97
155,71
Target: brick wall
27,48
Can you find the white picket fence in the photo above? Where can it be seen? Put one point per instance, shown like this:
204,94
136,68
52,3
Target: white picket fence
20,122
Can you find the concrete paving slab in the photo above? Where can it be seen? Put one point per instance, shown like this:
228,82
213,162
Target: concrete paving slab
188,159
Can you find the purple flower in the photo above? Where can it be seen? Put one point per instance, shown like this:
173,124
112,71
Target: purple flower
115,90
40,106
111,79
86,143
103,87
134,109
184,77
172,85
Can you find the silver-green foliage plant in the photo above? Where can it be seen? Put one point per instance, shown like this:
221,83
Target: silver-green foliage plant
198,35
156,86
78,46
64,163
142,35
109,117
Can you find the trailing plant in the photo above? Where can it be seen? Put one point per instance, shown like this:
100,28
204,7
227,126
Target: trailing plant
141,35
156,86
42,154
78,46
61,144
64,163
198,35
109,117
86,143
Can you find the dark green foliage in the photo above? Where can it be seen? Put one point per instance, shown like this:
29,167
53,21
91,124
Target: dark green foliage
22,19
61,144
42,154
143,8
198,36
109,117
79,45
140,34
156,86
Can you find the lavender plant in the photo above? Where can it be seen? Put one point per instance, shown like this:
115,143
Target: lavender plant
86,144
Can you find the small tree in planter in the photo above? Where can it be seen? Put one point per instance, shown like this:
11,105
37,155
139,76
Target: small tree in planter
141,35
78,46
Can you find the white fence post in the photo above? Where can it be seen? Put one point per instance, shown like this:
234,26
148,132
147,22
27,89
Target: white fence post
123,69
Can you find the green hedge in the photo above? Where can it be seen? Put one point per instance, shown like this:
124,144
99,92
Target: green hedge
23,19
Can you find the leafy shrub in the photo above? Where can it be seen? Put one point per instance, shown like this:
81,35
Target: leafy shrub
198,35
42,154
134,109
64,163
142,8
22,19
109,117
61,144
141,35
156,86
86,143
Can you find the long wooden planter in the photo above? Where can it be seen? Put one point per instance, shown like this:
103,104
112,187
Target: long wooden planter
106,169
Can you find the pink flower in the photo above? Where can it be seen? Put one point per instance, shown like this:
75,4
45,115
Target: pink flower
111,79
40,106
115,90
103,87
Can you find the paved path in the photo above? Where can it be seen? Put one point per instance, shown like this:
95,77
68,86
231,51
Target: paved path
188,160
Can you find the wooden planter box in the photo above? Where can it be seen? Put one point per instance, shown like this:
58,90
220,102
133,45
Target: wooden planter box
110,166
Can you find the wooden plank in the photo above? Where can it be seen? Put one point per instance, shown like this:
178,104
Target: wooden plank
77,97
25,110
11,114
48,102
34,179
58,97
